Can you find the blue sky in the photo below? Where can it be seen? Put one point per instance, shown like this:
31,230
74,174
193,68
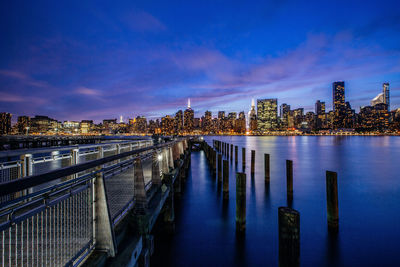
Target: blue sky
96,60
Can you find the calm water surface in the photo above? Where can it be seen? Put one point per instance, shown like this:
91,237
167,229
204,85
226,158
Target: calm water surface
369,209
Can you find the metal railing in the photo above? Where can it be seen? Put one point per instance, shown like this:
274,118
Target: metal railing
28,164
58,218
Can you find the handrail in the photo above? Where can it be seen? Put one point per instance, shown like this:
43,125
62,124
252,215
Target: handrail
18,185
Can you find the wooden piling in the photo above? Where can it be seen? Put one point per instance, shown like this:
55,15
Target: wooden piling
253,159
231,151
236,155
225,181
219,168
240,202
332,200
266,167
289,178
243,157
214,155
289,237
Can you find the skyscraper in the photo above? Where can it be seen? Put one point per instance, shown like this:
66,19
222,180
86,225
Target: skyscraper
207,124
178,122
284,112
319,108
267,114
5,123
320,114
188,119
386,95
339,105
252,117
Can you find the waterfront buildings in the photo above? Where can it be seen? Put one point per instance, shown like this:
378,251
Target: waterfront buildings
261,119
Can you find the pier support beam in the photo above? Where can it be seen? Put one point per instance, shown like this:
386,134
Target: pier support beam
240,202
332,200
105,239
155,170
289,237
231,151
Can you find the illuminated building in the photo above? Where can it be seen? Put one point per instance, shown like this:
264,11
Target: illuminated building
267,114
374,118
167,125
320,114
284,113
5,123
383,98
44,124
252,118
298,117
86,126
231,122
386,94
71,127
178,122
23,124
207,123
221,121
240,124
188,119
339,105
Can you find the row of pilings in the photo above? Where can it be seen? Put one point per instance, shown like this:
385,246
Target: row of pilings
288,218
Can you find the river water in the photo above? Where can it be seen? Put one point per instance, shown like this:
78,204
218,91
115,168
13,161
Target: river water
369,205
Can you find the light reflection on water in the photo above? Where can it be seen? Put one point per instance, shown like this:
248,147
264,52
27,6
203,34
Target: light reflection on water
369,211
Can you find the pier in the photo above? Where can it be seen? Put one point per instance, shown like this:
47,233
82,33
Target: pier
93,212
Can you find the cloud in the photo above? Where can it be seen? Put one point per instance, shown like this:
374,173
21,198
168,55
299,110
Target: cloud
87,91
23,78
141,21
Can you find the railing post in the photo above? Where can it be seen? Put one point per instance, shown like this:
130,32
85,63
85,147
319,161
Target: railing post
104,233
170,158
27,166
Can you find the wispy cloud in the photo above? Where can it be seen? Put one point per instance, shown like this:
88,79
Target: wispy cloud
82,90
141,21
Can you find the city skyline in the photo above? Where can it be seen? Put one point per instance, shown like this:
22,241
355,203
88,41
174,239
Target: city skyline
110,60
266,118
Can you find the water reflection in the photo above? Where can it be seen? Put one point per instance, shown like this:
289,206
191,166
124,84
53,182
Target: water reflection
368,188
